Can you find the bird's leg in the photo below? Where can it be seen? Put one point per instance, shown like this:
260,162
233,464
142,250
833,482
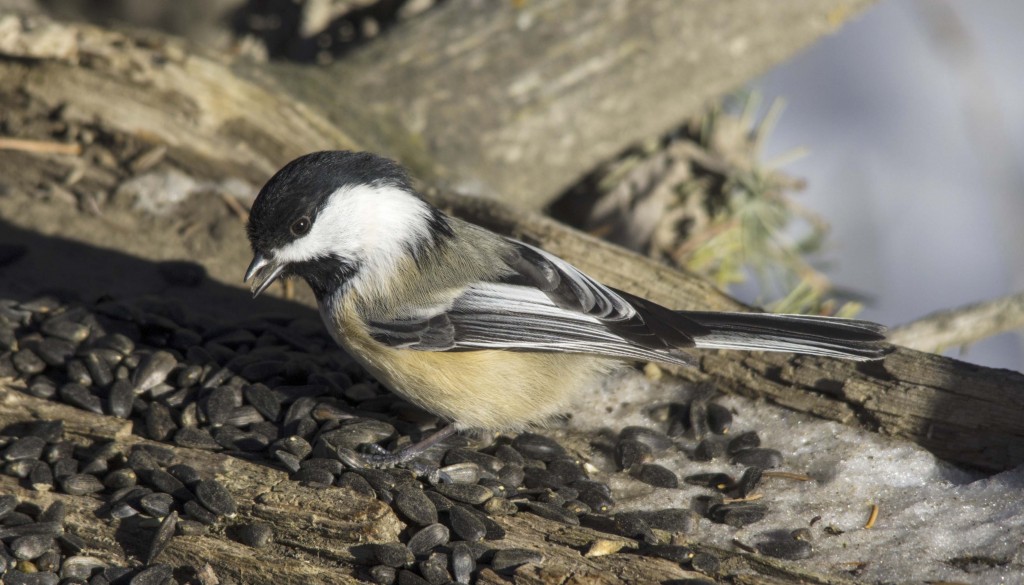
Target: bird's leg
403,455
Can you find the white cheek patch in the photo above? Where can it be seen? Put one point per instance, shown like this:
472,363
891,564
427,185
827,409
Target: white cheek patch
372,225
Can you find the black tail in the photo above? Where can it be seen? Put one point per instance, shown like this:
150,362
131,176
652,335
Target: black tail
828,336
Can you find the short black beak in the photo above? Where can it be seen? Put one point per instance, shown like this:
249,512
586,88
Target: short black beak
264,272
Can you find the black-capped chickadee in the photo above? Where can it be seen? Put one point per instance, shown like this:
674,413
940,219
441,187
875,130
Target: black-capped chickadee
484,331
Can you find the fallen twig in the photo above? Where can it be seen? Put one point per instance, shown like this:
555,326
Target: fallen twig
962,325
40,146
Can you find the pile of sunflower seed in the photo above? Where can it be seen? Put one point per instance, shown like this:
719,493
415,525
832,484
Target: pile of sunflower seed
275,388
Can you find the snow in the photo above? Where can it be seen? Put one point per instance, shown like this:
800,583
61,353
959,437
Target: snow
930,513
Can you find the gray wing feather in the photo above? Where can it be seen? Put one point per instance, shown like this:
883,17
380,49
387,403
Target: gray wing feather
514,318
546,304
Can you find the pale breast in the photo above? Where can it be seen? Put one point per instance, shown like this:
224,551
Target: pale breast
488,389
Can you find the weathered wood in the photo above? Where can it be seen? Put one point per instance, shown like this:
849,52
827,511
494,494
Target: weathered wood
516,100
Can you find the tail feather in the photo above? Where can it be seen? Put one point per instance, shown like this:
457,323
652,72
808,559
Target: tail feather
826,336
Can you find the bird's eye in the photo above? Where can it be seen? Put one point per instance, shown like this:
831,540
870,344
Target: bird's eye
301,226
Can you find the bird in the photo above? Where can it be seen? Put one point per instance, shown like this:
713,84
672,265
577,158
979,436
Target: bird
485,331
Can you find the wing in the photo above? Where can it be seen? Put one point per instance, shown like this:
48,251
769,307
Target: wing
545,304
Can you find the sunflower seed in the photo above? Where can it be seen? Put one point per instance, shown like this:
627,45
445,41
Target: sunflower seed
198,513
392,554
440,502
120,478
759,457
715,481
163,536
188,376
749,481
415,506
30,447
78,395
7,505
462,492
160,426
216,498
630,452
428,538
719,418
407,577
634,526
31,546
465,524
117,342
54,351
709,449
747,440
739,514
196,438
484,461
163,481
40,478
657,475
535,446
157,504
152,370
597,500
656,440
43,387
12,530
358,484
27,362
463,563
295,445
706,563
153,575
81,484
435,569
121,399
99,370
219,403
80,567
792,550
185,473
263,400
552,512
255,534
697,417
383,575
63,468
313,477
76,372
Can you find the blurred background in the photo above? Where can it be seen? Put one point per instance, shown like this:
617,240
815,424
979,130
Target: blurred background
914,122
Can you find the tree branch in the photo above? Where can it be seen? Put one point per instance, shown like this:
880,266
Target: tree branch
963,325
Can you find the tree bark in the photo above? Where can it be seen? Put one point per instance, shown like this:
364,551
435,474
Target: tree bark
519,100
510,100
